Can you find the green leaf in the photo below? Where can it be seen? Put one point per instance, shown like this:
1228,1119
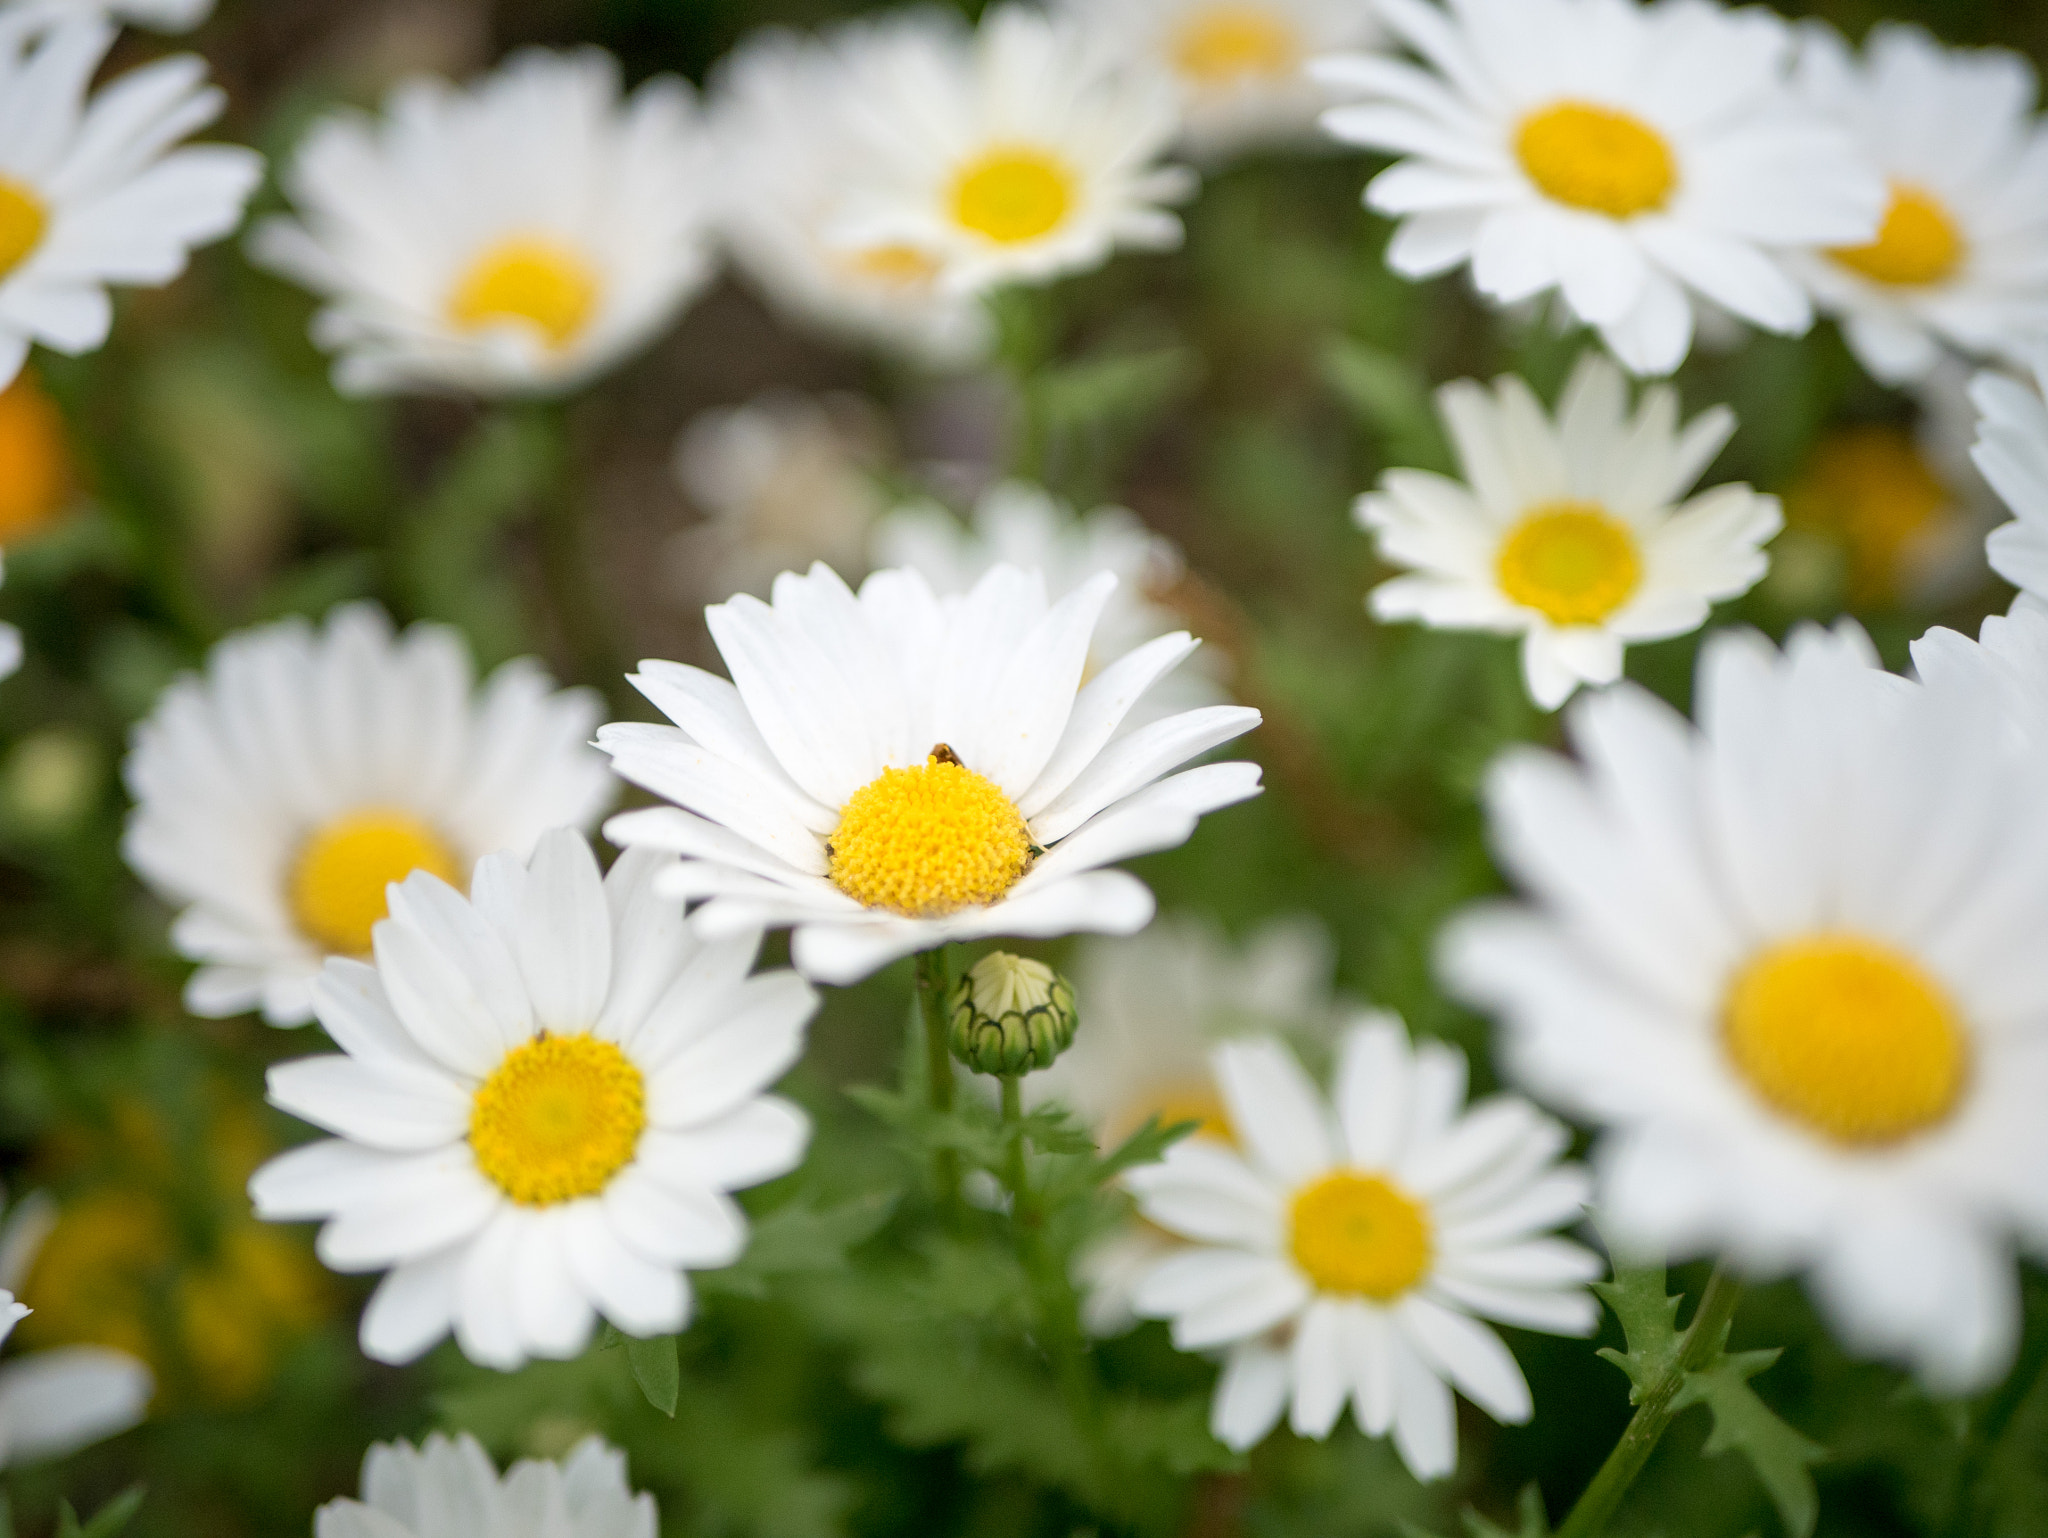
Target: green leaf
1173,1433
105,1523
1782,1457
1649,1320
1390,395
800,1238
658,1369
1147,1145
1531,1520
1105,392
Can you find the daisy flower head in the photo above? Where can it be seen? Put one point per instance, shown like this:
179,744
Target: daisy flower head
1635,158
1569,530
1347,1250
92,190
279,793
1789,962
1020,155
1961,260
450,1489
892,770
2012,454
519,236
545,1092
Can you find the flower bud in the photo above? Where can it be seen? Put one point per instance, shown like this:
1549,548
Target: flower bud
1010,1015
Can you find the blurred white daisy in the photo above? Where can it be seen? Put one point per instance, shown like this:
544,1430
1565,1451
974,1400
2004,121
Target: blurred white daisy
1791,962
547,1090
1569,532
157,15
2012,454
1631,157
1025,526
1962,255
1022,154
1152,1006
451,1489
784,113
1241,66
92,191
517,236
1350,1250
894,770
54,1402
278,794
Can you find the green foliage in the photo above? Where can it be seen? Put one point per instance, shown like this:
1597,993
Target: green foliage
110,1520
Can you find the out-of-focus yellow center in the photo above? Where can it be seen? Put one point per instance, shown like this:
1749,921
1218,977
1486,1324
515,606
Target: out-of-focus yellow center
1848,1037
1572,562
531,279
337,886
24,221
1596,158
1013,193
35,466
929,841
1870,488
557,1118
1917,244
1191,1099
1360,1236
897,266
1220,45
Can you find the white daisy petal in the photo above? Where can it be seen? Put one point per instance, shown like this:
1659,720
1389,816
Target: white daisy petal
451,1487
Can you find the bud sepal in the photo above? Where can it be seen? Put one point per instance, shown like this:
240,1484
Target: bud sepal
1010,1015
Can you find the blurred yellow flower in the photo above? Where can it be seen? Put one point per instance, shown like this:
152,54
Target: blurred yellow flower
1870,490
36,479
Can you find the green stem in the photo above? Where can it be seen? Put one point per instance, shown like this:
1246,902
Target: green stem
938,1067
571,586
1987,1431
1703,1338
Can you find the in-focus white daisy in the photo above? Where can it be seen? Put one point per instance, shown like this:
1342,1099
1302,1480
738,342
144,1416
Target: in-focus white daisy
1025,526
1569,532
784,113
1019,155
156,15
547,1090
91,190
894,770
1962,255
1792,962
450,1489
518,236
1628,156
277,795
54,1402
1241,66
2012,454
1153,1005
1350,1250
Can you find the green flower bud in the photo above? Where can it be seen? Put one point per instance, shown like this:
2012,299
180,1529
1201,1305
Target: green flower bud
1010,1016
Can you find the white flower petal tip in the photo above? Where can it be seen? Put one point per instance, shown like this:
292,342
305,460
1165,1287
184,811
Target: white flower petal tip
446,1485
2011,452
548,997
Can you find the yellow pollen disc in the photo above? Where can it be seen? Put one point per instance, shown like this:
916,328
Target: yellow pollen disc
35,465
1192,1100
1917,244
1013,194
337,886
558,1118
1571,562
1359,1236
24,220
929,841
1848,1037
1596,158
1870,488
893,266
1219,45
529,279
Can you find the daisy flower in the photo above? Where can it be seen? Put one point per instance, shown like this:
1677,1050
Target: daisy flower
1632,157
91,190
2012,453
544,1094
890,771
451,1489
1019,156
1962,256
1790,962
157,15
1240,66
1569,532
520,236
785,109
278,794
1350,1249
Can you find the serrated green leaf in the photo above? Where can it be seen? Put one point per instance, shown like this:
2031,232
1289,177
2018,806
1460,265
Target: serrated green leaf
1782,1457
1649,1321
1147,1145
800,1238
658,1369
1173,1433
1053,1130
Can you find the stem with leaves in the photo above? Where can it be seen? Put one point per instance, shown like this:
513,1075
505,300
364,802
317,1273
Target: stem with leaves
938,1065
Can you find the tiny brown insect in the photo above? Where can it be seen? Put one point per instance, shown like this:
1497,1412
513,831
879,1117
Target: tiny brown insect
945,755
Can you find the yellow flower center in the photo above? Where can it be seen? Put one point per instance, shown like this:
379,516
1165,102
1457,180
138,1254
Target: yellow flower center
1220,45
35,467
24,220
337,886
1870,488
929,841
531,279
558,1118
1571,562
1013,194
1848,1037
1597,158
897,266
1360,1236
1917,244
